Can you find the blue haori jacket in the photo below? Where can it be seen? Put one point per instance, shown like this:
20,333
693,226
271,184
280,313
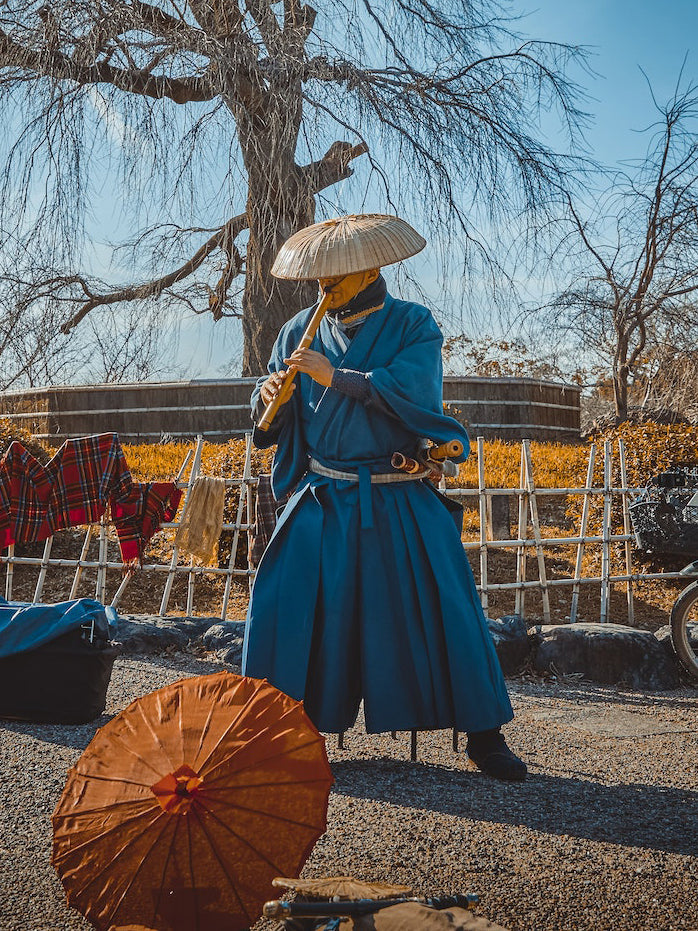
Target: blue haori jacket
364,591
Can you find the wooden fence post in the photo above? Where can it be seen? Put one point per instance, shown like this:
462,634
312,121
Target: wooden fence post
627,530
522,532
582,534
242,498
484,600
606,532
42,571
535,523
498,520
173,561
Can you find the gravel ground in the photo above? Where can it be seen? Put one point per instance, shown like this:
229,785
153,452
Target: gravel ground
603,835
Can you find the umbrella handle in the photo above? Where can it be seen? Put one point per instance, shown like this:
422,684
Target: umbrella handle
282,908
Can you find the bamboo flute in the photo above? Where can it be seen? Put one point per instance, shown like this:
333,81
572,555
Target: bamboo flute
306,340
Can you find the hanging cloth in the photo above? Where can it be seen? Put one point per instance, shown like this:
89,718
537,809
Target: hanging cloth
74,488
202,521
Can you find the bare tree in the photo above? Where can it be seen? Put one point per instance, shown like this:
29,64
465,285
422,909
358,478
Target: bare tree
666,381
505,357
32,350
120,346
129,346
634,256
447,93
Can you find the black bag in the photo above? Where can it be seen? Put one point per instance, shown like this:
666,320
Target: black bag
665,515
62,682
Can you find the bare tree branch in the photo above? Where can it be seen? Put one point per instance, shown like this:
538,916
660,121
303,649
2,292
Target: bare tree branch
652,267
243,96
331,168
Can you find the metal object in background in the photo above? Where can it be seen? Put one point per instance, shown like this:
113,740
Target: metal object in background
684,622
665,515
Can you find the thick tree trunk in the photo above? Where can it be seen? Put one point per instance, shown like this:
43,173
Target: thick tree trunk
269,302
620,393
280,201
621,370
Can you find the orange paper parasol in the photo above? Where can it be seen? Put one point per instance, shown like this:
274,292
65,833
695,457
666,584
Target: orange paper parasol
185,806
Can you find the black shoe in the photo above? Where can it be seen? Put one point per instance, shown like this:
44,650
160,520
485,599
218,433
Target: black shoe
492,757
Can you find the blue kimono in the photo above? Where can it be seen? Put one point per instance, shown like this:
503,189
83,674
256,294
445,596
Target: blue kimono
364,591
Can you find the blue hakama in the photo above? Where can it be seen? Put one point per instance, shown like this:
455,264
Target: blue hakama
364,591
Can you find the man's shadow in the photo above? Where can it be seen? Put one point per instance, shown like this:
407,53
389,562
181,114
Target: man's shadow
76,736
635,815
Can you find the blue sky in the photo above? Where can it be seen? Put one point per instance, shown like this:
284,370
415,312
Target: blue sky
621,36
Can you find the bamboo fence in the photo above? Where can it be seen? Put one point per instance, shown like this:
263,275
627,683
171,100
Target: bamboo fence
528,539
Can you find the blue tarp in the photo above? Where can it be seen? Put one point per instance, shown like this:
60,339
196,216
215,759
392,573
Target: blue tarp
27,626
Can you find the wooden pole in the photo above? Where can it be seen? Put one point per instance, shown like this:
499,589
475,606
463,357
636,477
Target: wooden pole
173,561
42,571
582,534
83,557
627,530
238,522
101,585
9,572
484,601
606,532
523,528
533,504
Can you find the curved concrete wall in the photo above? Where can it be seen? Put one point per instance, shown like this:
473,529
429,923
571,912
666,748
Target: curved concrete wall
505,408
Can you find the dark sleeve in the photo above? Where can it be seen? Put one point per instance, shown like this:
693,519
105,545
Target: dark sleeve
352,383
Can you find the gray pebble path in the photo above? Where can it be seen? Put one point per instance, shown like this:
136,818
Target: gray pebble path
603,836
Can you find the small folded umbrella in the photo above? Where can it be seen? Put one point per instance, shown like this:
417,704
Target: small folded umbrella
342,887
185,806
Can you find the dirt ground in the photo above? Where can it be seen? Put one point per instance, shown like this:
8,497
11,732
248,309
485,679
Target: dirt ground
602,836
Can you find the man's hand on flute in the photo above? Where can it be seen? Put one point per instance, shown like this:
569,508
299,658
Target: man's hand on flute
272,386
312,363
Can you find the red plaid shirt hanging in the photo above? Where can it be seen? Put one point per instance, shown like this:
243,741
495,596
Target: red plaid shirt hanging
74,488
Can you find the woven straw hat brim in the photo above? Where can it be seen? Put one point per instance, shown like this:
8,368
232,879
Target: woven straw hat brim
346,245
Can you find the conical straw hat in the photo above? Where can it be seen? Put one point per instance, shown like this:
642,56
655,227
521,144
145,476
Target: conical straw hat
345,245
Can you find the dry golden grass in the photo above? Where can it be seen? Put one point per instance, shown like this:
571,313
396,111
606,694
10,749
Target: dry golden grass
151,463
555,465
650,448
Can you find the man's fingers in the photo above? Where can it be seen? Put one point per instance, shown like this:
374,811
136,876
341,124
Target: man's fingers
273,385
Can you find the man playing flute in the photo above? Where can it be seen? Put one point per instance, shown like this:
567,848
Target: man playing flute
365,592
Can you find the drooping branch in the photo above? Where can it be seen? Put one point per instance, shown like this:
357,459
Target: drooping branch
334,166
229,231
61,67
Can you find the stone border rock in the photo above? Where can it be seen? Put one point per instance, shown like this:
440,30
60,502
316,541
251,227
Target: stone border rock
611,654
152,634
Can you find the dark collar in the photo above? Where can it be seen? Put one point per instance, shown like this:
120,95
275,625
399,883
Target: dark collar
364,303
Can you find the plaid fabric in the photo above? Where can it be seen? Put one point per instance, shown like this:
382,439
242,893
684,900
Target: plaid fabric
74,488
267,508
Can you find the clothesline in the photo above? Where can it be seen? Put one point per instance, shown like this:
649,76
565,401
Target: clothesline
84,478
